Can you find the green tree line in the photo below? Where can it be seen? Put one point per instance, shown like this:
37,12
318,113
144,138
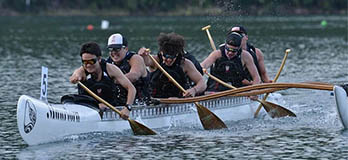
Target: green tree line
152,7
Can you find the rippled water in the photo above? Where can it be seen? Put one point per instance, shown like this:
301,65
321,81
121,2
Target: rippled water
318,54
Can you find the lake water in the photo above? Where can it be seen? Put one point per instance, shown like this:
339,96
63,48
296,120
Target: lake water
319,53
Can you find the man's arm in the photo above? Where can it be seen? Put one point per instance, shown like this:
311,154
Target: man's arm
263,72
143,52
138,68
118,76
196,77
78,75
213,56
250,65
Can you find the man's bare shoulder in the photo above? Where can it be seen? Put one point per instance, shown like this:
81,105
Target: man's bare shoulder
111,68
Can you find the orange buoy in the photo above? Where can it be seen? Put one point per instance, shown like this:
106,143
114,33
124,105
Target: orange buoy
90,27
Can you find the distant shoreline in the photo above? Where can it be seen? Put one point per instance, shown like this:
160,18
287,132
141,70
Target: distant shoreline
180,12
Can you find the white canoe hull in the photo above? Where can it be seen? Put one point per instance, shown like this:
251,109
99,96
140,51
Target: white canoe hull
39,122
342,105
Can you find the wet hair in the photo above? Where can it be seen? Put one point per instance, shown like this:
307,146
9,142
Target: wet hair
234,39
171,43
91,48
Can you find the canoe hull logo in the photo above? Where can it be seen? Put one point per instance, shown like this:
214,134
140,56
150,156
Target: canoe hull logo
29,116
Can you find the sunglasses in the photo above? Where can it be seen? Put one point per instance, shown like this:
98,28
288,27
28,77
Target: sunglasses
115,49
233,50
90,61
240,32
168,56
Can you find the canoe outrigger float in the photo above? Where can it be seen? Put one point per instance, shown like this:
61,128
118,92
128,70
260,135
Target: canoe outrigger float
341,98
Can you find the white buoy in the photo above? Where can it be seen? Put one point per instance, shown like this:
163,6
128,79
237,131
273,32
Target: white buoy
104,24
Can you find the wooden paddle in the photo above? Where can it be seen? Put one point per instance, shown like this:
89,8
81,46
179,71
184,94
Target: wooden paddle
287,51
208,119
206,29
138,128
274,110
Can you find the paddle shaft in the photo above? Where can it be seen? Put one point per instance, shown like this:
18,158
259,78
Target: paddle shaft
218,80
274,80
168,75
99,99
212,44
137,128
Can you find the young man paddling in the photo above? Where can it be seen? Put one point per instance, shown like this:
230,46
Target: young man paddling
103,77
131,64
171,58
231,64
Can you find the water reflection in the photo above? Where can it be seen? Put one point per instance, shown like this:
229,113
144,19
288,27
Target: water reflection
299,143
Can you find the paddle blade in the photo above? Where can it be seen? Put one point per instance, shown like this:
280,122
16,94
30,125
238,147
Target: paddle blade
276,111
208,119
140,129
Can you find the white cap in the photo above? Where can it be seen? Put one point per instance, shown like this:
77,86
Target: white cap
117,41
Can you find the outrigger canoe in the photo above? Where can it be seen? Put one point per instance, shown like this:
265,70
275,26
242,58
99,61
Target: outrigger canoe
41,122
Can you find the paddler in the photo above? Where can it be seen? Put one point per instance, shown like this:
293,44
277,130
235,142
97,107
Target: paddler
171,58
231,64
256,53
130,63
103,78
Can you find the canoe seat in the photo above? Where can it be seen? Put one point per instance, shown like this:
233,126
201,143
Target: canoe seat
80,99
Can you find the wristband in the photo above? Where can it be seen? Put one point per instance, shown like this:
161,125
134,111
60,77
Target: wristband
128,106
